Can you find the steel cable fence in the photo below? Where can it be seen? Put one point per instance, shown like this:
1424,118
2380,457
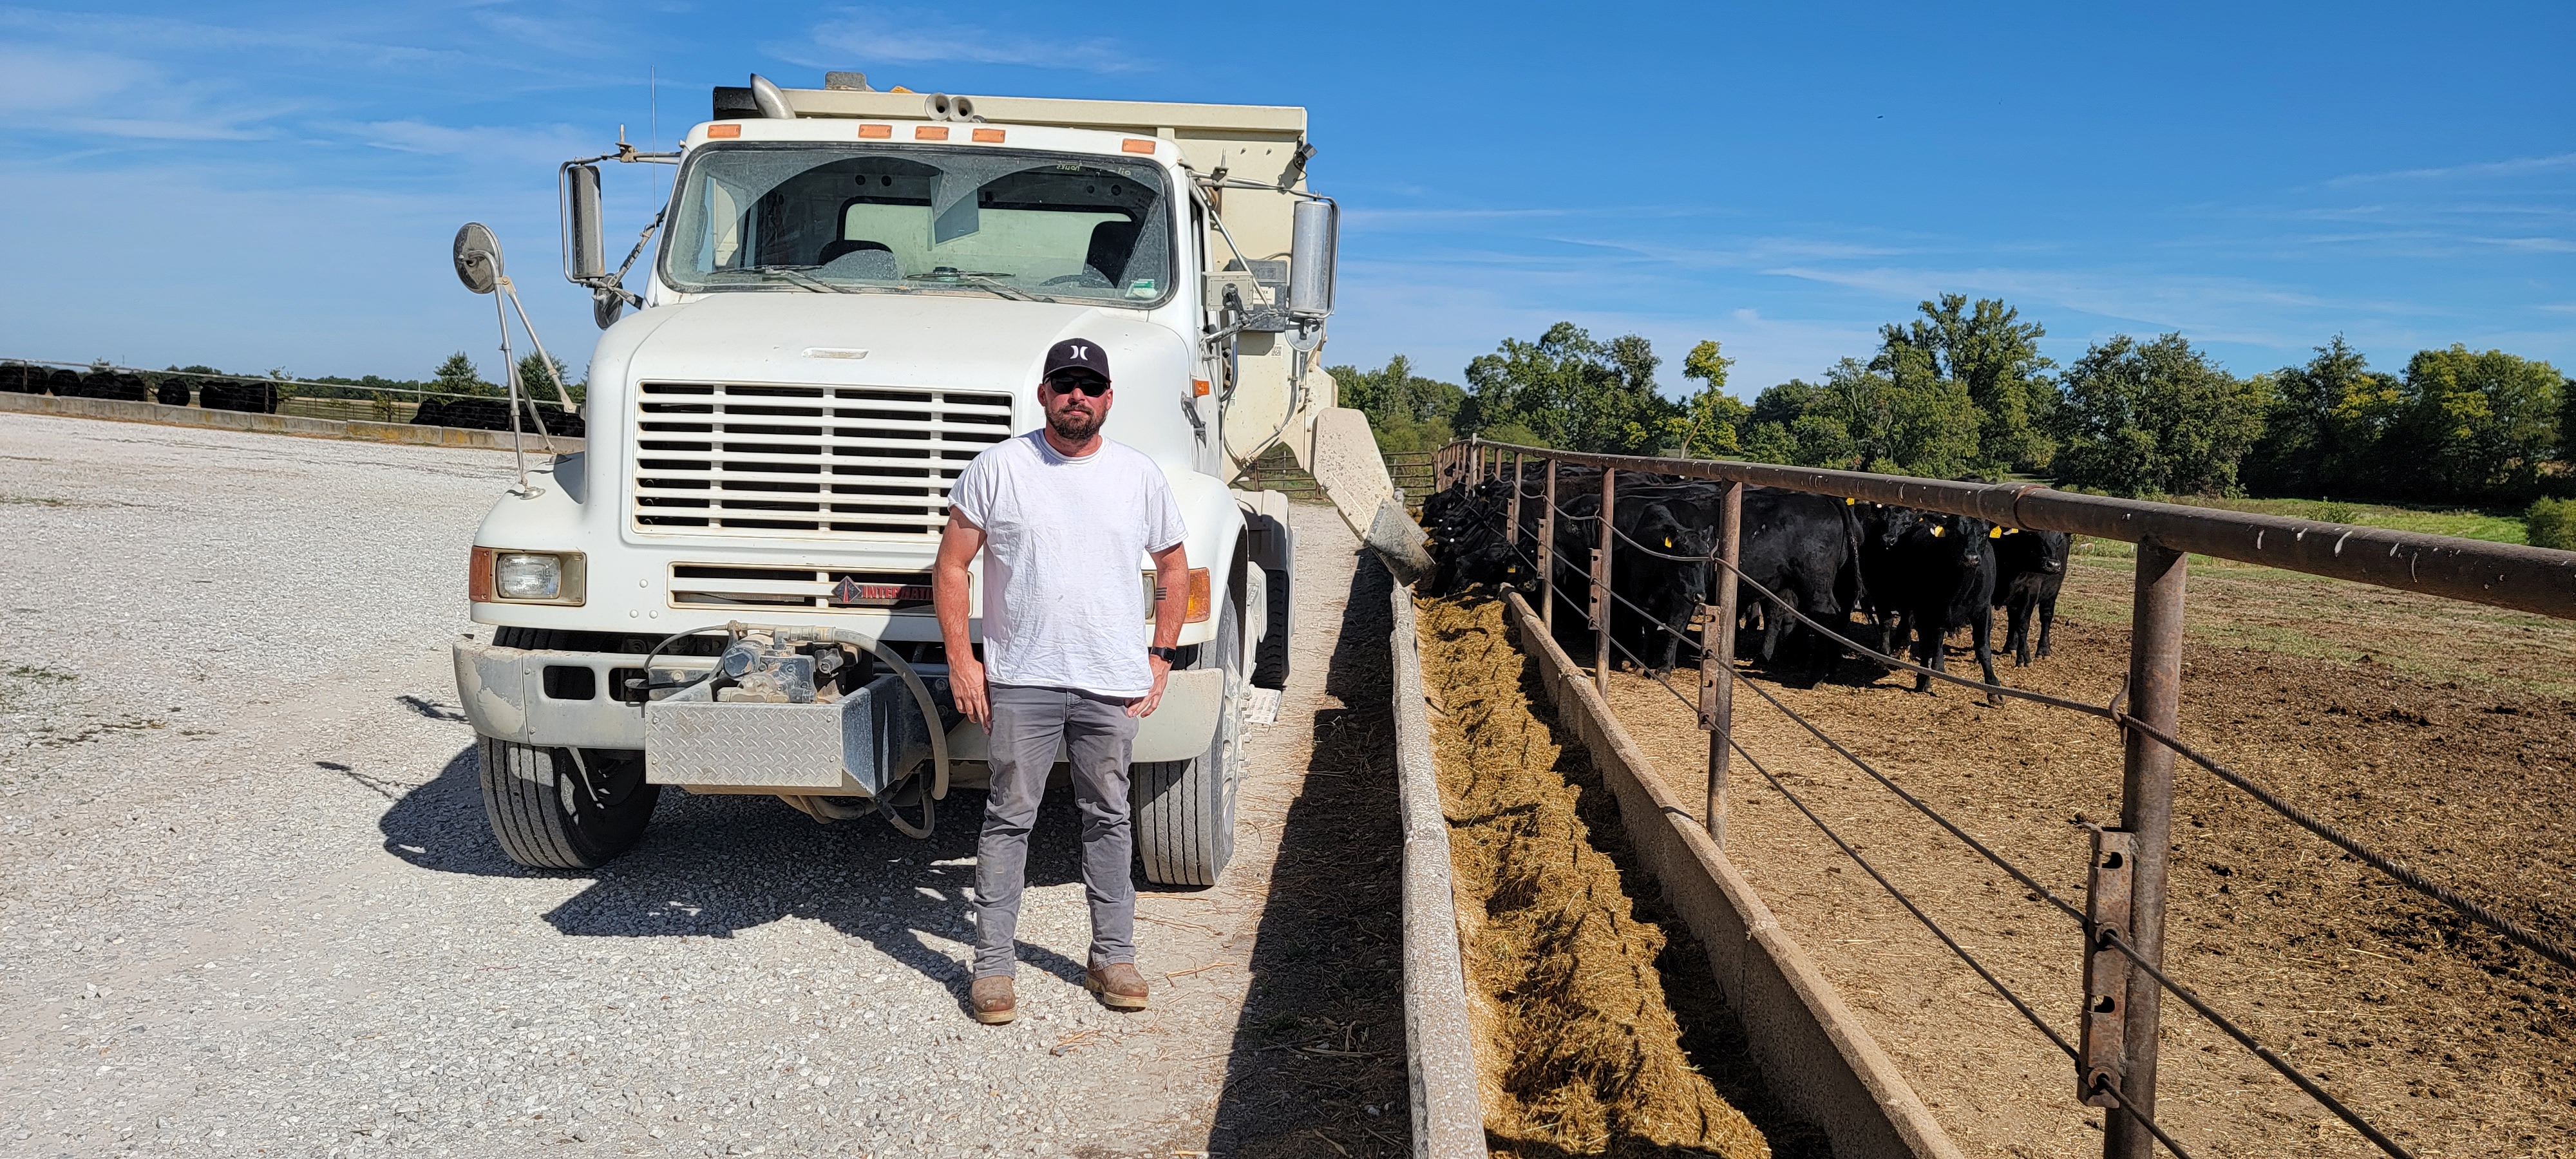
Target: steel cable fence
2502,926
2095,934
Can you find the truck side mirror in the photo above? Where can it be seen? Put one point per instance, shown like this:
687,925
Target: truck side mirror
585,256
1315,234
478,258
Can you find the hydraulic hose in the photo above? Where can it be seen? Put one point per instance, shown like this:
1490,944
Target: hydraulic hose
920,695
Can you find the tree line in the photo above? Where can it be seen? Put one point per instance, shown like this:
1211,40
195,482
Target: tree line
1961,391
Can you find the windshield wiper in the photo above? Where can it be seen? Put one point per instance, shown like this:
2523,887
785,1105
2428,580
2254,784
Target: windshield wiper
981,281
799,277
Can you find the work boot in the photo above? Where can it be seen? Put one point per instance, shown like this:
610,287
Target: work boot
1118,984
992,1001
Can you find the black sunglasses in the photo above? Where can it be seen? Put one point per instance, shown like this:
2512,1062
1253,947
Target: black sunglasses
1090,387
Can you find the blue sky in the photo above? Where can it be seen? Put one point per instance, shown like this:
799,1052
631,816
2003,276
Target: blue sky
274,185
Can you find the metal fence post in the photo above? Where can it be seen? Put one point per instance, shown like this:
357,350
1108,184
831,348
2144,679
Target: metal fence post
1547,554
1717,659
1601,615
2146,813
1512,514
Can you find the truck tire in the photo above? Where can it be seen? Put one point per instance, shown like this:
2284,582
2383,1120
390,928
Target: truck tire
543,813
1270,660
1183,811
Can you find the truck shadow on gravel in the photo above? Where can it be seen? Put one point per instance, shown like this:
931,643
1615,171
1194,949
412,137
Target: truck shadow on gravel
1318,1062
714,864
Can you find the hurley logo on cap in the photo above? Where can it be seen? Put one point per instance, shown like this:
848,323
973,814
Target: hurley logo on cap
1080,355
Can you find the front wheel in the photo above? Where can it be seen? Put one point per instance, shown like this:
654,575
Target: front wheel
547,814
1183,811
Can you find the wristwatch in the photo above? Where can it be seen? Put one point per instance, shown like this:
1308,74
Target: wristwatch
1166,655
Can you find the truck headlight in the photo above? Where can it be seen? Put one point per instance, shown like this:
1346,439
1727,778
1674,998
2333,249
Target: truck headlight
527,577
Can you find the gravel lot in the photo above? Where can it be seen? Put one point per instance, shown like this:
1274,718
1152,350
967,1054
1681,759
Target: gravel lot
253,909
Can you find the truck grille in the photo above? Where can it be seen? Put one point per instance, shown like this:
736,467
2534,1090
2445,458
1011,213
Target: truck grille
806,460
725,585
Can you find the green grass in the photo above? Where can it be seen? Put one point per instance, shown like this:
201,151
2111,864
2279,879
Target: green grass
2466,523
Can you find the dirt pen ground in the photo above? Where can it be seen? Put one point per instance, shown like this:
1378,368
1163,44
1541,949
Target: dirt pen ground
2439,733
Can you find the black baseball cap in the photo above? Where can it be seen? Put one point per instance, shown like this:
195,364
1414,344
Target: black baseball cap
1076,354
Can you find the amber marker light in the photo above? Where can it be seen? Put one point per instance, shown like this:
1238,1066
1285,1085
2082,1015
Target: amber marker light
724,130
875,132
1137,144
930,132
1198,388
989,136
1199,602
1196,609
478,577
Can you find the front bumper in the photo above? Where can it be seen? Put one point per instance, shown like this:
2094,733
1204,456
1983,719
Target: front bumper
504,692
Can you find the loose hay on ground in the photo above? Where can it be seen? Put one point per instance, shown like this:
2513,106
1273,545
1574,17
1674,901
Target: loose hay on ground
1568,969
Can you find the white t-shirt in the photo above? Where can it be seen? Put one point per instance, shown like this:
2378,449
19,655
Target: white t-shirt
1064,546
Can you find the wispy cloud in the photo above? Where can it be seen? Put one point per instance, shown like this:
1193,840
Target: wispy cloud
2511,168
136,33
517,144
114,96
2203,308
870,36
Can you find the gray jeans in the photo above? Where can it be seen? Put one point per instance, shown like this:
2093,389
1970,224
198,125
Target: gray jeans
1098,735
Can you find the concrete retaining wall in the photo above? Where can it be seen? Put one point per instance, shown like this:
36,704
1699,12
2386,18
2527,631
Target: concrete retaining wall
1819,1061
189,416
1439,1044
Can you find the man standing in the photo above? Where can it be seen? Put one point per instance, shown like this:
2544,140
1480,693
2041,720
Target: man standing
1062,516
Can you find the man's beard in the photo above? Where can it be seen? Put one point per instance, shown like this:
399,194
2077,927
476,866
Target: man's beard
1073,426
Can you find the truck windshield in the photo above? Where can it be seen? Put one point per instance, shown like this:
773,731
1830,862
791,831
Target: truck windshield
858,217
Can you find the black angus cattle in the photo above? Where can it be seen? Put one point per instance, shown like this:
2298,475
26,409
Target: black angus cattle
1638,580
1465,524
2030,567
112,384
1938,576
1801,547
493,414
1805,548
1661,568
238,394
1471,546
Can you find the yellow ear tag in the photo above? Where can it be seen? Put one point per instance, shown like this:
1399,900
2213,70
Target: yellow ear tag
1938,531
1668,541
1995,533
1848,501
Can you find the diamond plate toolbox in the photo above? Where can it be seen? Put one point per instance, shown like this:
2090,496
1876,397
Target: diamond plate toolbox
702,743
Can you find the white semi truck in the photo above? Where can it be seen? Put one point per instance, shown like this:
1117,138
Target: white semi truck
729,589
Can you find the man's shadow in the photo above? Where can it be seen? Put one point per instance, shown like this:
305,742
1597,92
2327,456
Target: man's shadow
710,865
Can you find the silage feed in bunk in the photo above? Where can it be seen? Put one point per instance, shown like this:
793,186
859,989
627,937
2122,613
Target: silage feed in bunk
1579,1051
